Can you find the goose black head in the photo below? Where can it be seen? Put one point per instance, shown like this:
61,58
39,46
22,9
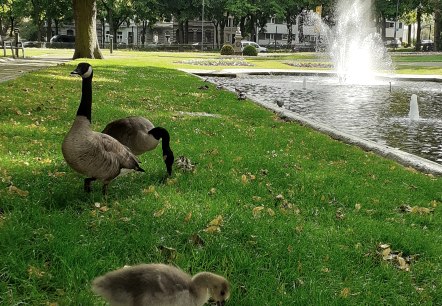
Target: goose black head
168,160
84,70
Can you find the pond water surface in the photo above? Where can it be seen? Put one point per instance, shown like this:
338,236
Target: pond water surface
377,112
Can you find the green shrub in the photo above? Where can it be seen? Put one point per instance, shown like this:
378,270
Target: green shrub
250,51
227,49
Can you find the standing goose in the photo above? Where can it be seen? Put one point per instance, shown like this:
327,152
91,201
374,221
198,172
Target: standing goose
160,285
93,154
140,135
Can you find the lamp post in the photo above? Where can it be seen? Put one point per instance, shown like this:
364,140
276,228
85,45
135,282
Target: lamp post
202,30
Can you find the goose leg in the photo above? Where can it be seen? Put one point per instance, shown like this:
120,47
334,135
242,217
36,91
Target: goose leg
87,184
104,189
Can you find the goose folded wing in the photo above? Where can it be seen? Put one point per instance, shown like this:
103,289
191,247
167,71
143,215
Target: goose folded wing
119,152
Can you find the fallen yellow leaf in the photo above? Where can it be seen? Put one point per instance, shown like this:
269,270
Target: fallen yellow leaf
159,213
188,217
345,292
35,272
402,263
104,208
149,189
212,229
16,190
244,179
257,211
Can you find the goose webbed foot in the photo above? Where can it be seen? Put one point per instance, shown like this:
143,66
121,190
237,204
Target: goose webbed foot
87,184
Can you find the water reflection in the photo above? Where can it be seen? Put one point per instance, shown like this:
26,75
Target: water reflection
371,112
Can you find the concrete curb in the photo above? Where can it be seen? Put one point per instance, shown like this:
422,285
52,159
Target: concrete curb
401,157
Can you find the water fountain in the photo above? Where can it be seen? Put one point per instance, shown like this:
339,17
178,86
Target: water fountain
413,114
356,50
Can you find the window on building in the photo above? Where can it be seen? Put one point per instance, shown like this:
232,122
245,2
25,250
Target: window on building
70,32
119,36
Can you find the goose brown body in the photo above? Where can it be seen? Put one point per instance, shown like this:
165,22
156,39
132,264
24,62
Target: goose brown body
133,132
160,285
93,154
140,136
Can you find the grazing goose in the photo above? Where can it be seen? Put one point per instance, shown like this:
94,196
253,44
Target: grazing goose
140,135
160,285
93,154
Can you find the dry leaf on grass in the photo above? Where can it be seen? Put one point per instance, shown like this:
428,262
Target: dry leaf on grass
416,209
196,240
256,211
149,189
214,226
188,217
15,190
395,257
159,212
35,272
345,292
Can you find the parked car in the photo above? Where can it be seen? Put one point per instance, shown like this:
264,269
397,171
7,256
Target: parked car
427,45
33,44
63,38
393,43
245,43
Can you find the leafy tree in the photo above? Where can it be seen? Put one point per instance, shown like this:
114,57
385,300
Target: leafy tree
438,25
182,11
117,12
86,44
217,12
147,13
57,11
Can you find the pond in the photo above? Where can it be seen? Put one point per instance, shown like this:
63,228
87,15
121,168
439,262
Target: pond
376,112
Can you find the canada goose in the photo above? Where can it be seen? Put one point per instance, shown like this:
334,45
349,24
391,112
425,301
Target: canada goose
140,135
160,285
96,155
280,103
240,94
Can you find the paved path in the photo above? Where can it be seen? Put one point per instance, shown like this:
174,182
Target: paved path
11,68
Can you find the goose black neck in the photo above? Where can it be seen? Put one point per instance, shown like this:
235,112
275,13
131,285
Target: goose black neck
85,108
161,133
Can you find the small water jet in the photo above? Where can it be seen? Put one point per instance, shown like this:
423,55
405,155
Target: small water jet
414,108
304,83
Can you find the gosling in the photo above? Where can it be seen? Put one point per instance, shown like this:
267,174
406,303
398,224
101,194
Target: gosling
160,285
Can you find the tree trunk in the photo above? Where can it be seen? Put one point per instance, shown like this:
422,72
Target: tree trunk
11,32
48,29
288,20
57,23
383,28
86,44
437,29
222,25
418,31
409,35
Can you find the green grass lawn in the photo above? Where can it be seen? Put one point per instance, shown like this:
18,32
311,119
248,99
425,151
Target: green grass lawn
298,217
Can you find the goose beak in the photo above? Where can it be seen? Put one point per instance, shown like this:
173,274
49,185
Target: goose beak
75,72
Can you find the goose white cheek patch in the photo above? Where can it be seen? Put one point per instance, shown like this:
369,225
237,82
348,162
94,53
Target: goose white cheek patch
87,73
